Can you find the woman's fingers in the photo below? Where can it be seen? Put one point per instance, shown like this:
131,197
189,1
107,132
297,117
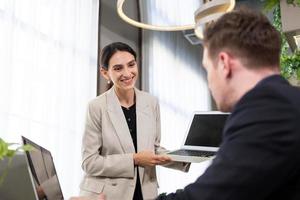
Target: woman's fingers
162,159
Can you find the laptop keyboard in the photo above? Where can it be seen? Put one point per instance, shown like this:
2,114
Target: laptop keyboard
185,152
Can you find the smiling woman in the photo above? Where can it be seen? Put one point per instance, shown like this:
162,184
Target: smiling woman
121,142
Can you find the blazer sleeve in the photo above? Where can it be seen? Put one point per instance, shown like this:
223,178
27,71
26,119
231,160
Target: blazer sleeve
94,164
182,166
257,155
158,148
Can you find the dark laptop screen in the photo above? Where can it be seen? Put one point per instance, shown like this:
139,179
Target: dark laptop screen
206,130
43,170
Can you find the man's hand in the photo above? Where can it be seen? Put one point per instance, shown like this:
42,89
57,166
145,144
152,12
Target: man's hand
40,192
100,197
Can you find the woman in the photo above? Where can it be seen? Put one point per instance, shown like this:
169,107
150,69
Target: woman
121,143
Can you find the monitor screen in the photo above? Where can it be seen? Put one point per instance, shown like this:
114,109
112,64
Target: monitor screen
43,170
206,130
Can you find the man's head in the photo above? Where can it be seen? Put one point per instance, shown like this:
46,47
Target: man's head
241,44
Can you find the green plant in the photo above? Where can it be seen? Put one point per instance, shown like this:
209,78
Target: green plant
7,151
291,65
295,2
289,61
270,4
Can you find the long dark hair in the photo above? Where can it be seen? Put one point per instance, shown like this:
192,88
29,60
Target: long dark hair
109,50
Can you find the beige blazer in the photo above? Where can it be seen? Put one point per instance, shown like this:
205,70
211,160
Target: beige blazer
107,147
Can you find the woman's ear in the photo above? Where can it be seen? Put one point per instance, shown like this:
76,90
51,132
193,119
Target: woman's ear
104,73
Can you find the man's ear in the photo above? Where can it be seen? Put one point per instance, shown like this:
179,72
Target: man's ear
224,62
104,73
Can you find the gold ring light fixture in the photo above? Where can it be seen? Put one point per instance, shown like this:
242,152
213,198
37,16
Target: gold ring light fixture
148,26
209,11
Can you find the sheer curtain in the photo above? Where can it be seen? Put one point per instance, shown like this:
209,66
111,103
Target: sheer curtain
172,72
48,66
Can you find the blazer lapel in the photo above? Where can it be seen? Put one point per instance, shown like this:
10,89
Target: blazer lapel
119,122
142,119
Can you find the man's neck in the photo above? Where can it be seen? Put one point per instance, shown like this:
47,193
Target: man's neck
247,79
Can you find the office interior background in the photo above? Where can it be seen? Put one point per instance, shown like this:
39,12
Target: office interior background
49,71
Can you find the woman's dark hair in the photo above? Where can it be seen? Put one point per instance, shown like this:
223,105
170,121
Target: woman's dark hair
109,50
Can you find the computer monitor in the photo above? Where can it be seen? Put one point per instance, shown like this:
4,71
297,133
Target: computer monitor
43,170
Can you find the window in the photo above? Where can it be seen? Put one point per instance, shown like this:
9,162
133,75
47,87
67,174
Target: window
48,67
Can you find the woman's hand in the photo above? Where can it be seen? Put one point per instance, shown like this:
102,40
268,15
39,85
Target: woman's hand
148,158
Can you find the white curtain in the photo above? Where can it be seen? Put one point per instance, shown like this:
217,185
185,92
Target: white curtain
48,64
172,72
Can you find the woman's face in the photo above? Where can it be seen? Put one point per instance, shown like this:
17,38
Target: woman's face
122,70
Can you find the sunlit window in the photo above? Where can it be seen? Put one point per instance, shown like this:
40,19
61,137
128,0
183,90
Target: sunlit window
48,62
173,73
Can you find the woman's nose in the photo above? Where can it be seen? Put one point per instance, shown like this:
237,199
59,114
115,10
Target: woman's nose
126,72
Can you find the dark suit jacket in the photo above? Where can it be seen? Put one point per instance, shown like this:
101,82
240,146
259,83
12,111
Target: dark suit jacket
259,158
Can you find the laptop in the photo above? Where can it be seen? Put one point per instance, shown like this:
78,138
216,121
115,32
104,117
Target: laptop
16,181
43,170
203,137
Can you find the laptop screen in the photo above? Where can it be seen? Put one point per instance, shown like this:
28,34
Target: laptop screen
206,129
43,171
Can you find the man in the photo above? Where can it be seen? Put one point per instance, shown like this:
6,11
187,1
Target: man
259,157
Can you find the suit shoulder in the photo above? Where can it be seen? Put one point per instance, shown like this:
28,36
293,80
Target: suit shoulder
98,101
274,102
147,97
273,91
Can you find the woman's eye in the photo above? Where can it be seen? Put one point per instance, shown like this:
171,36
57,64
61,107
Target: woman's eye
131,64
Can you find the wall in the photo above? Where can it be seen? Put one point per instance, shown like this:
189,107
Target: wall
113,29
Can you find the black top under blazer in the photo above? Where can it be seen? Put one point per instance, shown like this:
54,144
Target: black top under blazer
259,158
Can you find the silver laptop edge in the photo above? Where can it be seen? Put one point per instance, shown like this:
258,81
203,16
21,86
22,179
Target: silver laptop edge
31,177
